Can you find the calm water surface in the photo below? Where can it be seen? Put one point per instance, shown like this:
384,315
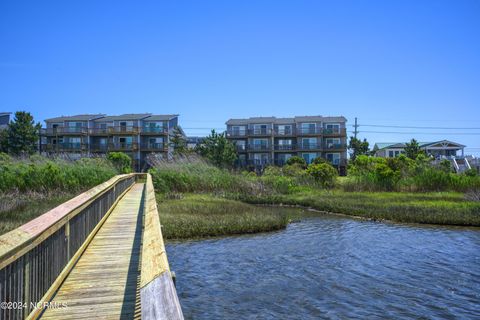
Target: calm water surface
332,267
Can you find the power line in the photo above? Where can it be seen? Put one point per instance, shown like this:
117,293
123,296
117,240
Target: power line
415,127
436,133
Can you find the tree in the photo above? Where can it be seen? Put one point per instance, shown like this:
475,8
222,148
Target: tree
324,173
218,149
21,135
358,147
412,149
297,160
121,161
178,141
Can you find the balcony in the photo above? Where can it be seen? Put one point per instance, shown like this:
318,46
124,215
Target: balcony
335,132
99,147
65,131
154,130
260,132
259,162
100,131
124,130
284,132
309,131
285,147
259,147
338,162
310,146
335,146
236,133
64,147
154,147
241,147
123,146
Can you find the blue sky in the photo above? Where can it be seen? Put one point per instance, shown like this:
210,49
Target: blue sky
405,63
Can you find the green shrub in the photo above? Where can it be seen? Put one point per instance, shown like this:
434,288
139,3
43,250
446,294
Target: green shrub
297,160
121,161
323,173
471,173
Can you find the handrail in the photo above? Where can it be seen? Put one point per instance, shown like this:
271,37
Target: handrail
37,256
158,296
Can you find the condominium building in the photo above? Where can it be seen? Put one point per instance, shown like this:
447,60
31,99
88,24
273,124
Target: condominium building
135,134
4,120
269,140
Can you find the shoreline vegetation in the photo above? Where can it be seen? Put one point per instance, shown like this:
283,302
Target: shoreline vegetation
31,186
206,198
197,199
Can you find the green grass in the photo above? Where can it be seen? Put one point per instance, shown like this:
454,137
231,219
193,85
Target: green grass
17,209
195,216
448,208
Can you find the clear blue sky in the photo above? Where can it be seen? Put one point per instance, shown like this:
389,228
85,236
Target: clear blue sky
407,63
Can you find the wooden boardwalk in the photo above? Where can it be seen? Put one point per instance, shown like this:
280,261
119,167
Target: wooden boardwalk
104,284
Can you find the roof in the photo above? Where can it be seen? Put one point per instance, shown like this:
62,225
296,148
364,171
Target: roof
160,117
79,117
284,120
401,145
127,116
5,113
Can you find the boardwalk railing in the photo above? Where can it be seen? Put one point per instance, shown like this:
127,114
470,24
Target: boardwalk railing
36,257
158,296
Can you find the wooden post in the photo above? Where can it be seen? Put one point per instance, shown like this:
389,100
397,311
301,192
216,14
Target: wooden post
26,285
67,238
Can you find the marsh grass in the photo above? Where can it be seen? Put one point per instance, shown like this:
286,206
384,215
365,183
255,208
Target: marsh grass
448,208
194,216
19,208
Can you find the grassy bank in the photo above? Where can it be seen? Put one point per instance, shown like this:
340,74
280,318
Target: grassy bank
17,209
447,208
292,186
193,216
30,186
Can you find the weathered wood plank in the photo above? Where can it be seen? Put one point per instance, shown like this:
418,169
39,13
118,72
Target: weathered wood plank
159,299
104,282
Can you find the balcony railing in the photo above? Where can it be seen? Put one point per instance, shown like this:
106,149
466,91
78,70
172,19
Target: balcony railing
102,147
154,146
236,133
64,146
241,147
66,130
310,146
259,162
260,132
123,146
334,146
309,131
284,132
124,129
285,147
154,130
335,132
338,162
259,147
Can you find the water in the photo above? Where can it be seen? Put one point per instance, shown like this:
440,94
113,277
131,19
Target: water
332,267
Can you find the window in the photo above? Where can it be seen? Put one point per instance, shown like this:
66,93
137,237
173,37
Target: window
309,157
332,128
390,154
260,158
333,158
309,143
240,144
308,127
260,129
284,129
238,130
260,144
282,158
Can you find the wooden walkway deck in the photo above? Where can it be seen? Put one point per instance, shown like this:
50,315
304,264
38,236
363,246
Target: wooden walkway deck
104,284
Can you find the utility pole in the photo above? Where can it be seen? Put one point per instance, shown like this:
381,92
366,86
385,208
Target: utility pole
356,128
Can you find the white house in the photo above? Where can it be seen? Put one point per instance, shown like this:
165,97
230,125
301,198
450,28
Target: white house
438,149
